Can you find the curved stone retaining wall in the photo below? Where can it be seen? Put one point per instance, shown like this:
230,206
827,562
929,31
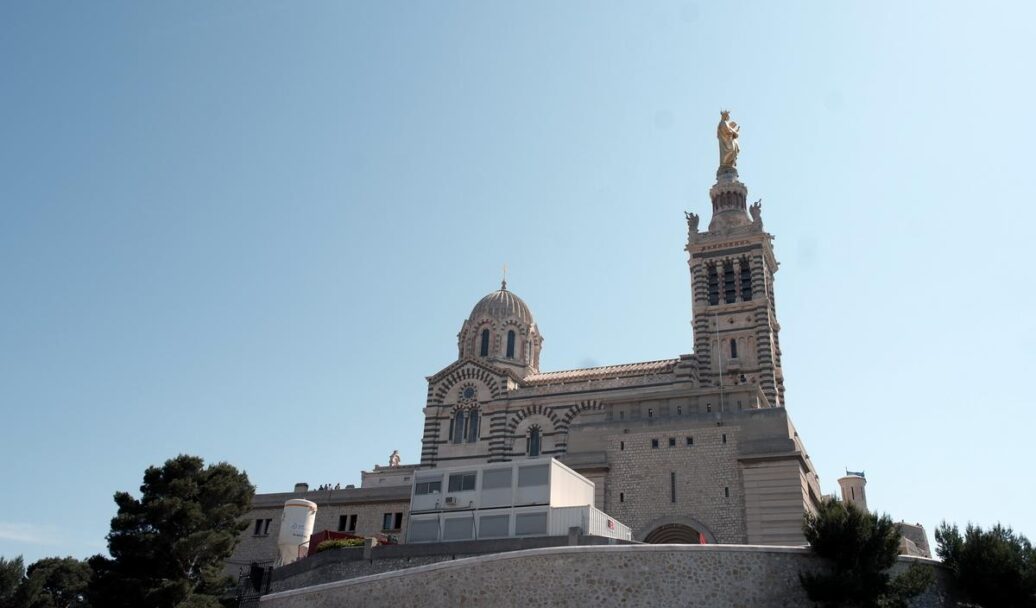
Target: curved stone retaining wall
342,564
717,576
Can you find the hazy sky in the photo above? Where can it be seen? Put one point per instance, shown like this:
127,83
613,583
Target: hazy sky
249,230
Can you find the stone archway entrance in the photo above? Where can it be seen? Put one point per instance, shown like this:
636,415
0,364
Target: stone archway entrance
673,534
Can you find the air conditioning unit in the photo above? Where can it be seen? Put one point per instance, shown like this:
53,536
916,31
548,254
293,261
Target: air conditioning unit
451,500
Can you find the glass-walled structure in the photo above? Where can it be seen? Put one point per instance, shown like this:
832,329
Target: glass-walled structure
538,497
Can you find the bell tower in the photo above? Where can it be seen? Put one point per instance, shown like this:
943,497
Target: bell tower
732,266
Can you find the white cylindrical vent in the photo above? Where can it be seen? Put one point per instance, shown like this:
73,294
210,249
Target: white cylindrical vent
296,528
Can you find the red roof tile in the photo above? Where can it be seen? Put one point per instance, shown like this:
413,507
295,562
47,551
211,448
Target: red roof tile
623,370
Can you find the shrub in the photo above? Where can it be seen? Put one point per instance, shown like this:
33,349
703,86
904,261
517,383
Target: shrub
340,543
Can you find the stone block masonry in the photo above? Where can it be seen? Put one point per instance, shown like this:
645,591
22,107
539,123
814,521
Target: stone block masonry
714,576
369,517
695,480
342,564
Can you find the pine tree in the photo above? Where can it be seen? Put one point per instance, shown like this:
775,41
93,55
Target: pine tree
168,547
994,568
12,571
54,582
859,548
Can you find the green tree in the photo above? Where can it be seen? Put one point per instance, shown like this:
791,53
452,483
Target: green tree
12,571
54,582
859,548
168,547
992,568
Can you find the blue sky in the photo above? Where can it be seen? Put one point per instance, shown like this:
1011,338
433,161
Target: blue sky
249,230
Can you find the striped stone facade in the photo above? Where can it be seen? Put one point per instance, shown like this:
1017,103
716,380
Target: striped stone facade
689,448
628,427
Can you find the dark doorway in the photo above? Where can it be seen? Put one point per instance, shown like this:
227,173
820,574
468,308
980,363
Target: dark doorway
673,534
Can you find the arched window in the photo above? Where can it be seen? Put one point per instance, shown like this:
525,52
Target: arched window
713,285
534,442
729,287
484,349
746,280
472,426
458,427
510,344
733,348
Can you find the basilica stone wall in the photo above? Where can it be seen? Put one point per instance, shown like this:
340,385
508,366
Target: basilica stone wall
628,428
667,473
716,576
739,476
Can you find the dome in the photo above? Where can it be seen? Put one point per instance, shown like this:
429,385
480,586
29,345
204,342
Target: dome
500,305
501,331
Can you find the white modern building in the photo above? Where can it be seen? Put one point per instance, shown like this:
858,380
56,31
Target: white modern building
531,497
